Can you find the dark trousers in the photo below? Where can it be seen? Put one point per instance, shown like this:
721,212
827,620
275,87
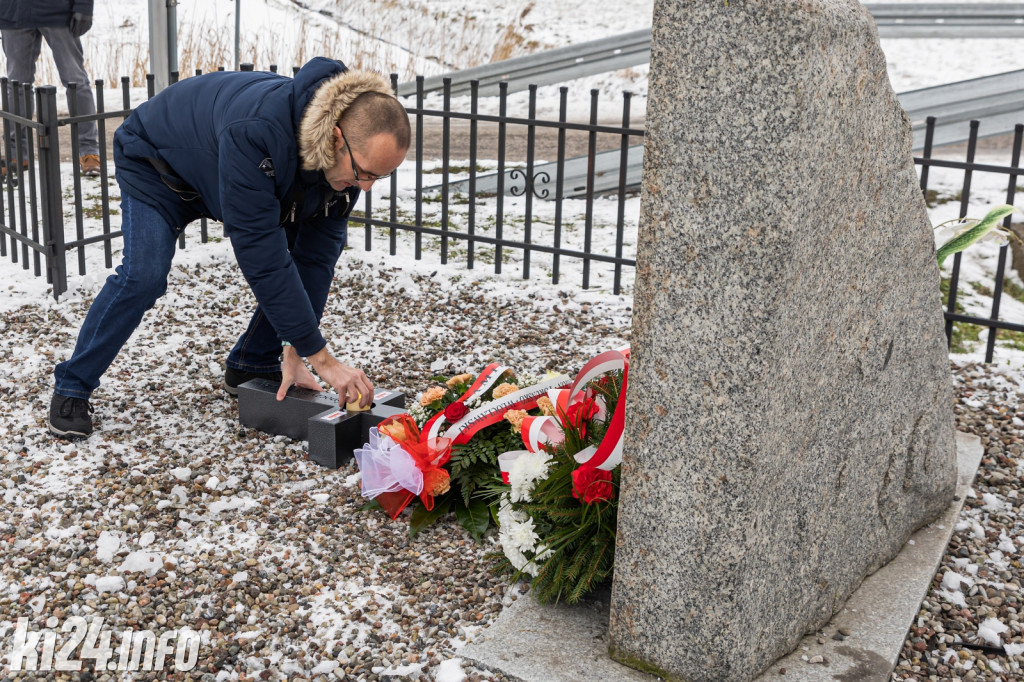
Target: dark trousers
22,46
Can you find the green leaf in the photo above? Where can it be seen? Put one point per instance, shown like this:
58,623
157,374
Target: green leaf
422,517
475,518
978,231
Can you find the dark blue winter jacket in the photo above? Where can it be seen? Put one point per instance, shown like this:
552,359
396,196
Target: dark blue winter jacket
232,137
40,13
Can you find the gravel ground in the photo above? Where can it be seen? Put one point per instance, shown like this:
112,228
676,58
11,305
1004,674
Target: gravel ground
975,602
172,515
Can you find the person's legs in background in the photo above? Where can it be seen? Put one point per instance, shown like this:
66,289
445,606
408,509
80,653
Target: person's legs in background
70,61
21,48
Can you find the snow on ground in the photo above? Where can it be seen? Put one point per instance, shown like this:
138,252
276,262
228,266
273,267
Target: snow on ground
176,471
430,37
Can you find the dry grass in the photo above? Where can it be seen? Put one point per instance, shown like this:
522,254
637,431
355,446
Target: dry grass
512,39
406,37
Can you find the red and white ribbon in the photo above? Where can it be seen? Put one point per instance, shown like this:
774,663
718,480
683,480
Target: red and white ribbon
540,431
490,375
524,399
608,454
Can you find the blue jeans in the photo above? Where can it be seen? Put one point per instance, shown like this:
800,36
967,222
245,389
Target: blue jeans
141,278
22,46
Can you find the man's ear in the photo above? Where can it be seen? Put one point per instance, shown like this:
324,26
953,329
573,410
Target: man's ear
338,140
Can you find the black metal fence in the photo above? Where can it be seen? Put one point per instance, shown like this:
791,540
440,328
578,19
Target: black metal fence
37,215
969,168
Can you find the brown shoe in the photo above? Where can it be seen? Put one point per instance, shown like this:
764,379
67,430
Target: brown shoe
90,164
12,167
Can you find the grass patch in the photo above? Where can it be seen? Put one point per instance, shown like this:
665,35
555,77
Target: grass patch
457,170
963,333
932,198
1013,289
981,289
1010,339
485,254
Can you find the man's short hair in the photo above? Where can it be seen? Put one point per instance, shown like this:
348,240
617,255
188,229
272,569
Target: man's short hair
373,113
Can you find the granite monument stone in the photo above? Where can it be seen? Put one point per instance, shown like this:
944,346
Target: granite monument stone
790,414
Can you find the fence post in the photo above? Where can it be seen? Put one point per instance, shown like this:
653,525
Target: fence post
49,190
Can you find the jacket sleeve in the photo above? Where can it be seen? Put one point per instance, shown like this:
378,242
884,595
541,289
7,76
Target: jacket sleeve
251,212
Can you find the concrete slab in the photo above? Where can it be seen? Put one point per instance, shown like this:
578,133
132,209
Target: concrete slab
531,642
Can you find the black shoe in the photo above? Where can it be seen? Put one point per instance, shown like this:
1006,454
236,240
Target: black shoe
70,417
233,378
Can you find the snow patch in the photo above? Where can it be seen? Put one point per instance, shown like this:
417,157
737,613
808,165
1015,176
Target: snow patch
181,473
990,629
1013,649
951,580
142,562
107,545
450,671
110,583
230,504
955,597
992,503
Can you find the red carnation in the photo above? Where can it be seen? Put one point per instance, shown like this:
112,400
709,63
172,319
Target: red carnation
595,485
580,413
455,412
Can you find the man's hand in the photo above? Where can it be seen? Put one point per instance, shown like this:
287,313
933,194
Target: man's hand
350,383
294,373
80,24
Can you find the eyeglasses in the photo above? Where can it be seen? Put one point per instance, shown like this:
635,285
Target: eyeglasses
367,177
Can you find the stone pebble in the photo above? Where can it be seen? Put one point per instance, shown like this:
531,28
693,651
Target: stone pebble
943,642
224,529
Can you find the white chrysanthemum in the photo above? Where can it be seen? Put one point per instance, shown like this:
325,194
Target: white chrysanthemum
522,536
524,472
518,536
507,515
533,465
521,491
515,557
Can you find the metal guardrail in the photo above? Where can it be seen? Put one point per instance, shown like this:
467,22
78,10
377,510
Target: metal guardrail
997,101
934,20
923,20
548,67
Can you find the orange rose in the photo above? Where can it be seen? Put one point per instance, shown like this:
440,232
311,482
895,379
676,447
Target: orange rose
547,408
436,482
502,390
516,417
393,429
431,395
456,380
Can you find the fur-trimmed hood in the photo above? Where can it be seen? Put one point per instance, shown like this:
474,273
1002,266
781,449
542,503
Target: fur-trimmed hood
316,131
